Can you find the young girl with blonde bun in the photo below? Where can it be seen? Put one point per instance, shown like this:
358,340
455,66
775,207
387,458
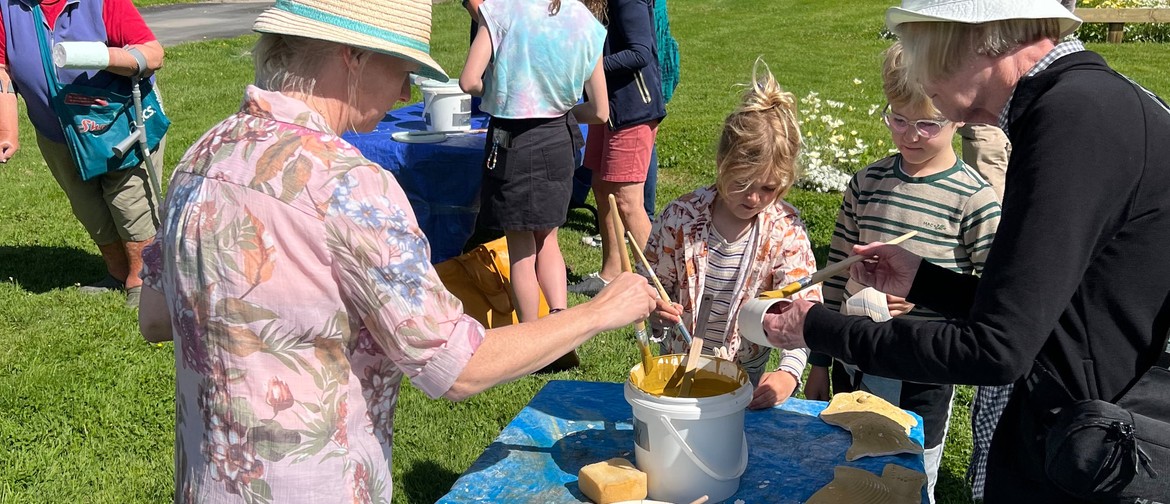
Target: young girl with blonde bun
738,238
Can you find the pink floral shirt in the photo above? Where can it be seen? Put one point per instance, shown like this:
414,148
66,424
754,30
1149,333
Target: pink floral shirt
300,292
781,254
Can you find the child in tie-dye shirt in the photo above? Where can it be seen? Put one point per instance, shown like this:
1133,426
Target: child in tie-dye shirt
530,60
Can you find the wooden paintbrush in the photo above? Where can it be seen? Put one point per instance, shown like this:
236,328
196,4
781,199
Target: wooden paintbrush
825,274
680,327
639,327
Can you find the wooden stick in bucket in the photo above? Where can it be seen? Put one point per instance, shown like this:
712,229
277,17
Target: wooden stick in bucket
677,381
639,327
696,349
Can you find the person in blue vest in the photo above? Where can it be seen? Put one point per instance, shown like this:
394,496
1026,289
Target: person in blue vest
118,209
668,66
619,154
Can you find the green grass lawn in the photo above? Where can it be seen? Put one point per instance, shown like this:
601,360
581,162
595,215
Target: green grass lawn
86,407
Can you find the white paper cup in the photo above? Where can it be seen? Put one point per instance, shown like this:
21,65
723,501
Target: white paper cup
751,320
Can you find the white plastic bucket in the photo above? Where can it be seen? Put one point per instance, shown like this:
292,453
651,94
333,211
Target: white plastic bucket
691,447
445,106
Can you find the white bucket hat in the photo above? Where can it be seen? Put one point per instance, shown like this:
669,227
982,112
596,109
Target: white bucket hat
980,11
399,28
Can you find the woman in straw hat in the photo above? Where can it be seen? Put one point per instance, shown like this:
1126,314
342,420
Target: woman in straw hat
293,277
1072,303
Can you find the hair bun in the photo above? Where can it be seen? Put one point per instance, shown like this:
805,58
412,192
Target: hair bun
764,93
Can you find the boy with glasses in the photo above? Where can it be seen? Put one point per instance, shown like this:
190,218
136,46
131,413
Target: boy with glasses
926,188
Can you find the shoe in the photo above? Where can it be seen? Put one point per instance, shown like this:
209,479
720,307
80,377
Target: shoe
595,240
563,363
107,284
589,286
133,294
591,240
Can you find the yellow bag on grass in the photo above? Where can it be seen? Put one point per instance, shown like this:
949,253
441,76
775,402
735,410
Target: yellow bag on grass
481,280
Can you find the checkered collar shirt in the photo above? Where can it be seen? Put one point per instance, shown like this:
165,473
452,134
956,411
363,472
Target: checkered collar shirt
1069,46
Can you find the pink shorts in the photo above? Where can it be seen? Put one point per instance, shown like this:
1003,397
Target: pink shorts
623,155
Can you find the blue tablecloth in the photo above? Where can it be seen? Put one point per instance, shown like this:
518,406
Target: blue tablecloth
570,424
441,179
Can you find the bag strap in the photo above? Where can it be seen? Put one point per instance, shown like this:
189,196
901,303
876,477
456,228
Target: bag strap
46,51
1164,359
483,268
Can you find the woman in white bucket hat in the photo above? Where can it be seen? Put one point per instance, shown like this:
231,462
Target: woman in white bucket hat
1073,300
293,277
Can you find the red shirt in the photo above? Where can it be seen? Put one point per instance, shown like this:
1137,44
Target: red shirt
124,25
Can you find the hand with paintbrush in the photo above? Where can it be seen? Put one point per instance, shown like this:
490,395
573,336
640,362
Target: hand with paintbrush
775,321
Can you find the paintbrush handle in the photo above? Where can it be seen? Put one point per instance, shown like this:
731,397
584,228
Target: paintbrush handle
616,219
680,327
830,271
646,265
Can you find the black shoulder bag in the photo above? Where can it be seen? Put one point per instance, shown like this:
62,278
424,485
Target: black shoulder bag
1113,452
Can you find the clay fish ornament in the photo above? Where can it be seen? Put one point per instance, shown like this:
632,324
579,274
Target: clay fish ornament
878,427
896,485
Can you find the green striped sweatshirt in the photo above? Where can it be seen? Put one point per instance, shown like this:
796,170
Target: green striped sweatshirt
954,211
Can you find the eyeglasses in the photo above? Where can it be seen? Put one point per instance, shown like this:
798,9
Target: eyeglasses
926,128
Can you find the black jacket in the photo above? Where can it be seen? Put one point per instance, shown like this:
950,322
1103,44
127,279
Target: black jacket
632,77
1077,281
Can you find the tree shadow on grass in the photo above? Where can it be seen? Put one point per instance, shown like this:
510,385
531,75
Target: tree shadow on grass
582,218
951,487
425,481
40,269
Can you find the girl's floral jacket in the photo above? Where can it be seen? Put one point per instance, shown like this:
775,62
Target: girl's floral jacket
677,250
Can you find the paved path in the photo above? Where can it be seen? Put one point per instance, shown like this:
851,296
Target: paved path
179,23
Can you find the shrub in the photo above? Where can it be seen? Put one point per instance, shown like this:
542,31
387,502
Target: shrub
832,151
1134,32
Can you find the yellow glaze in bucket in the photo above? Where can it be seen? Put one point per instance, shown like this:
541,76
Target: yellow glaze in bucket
726,377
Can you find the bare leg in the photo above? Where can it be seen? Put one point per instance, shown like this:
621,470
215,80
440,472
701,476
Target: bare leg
117,262
550,269
134,262
632,210
525,288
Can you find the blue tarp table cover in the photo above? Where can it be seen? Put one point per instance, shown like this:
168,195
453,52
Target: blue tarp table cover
570,424
441,179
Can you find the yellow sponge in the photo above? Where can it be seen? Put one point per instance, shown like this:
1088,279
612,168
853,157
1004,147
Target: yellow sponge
614,480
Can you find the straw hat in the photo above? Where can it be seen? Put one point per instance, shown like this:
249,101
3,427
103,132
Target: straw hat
399,28
980,11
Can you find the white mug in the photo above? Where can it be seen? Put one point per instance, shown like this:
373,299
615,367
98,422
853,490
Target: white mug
751,320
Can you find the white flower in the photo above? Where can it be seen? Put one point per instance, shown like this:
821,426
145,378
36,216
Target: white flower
856,81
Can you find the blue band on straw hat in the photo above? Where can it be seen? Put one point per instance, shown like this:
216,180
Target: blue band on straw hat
352,25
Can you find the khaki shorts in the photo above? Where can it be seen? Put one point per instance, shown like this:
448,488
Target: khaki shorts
117,206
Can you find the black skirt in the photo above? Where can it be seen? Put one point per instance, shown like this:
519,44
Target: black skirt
528,186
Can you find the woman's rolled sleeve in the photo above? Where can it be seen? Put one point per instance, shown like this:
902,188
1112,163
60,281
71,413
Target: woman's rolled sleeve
382,261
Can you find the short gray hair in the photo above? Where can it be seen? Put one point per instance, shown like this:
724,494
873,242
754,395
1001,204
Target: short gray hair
288,63
937,50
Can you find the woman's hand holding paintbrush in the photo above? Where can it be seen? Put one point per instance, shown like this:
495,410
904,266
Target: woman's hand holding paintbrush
772,320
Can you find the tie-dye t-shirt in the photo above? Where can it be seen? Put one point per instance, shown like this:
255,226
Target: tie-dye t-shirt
539,61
